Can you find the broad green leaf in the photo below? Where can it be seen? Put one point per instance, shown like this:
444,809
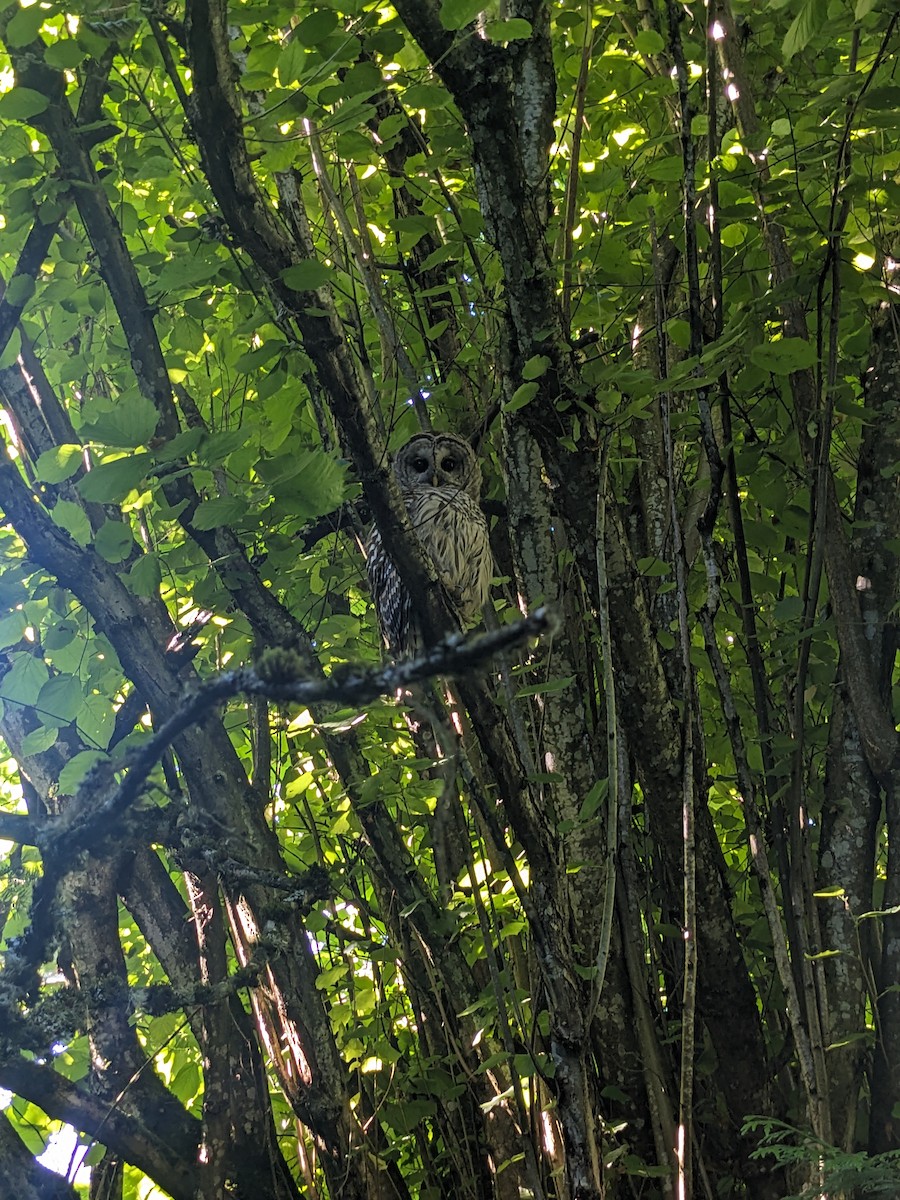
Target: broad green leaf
185,233
13,347
23,27
145,575
65,54
20,290
309,483
222,510
96,721
521,396
181,445
114,541
291,62
71,516
424,95
23,682
74,771
132,422
38,740
215,448
263,354
789,608
59,463
316,27
186,1083
535,367
455,14
807,23
12,629
653,567
666,169
362,80
58,636
649,42
110,482
513,29
679,331
59,700
433,332
21,104
784,356
307,276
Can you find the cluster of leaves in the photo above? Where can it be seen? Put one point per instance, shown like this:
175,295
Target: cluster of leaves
344,110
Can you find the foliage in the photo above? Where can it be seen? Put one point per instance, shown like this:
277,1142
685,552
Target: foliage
842,1172
642,875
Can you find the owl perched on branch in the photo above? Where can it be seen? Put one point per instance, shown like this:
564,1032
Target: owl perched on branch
440,479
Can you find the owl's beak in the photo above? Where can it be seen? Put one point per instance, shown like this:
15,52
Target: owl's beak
434,480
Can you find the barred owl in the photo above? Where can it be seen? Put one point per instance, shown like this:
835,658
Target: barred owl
440,479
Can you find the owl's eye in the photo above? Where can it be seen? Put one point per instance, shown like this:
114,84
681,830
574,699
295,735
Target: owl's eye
420,464
448,464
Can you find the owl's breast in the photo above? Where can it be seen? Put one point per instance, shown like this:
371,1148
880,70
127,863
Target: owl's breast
454,531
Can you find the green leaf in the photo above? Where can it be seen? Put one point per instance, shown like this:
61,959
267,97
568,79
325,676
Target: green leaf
309,483
263,354
96,720
511,30
13,346
666,169
21,104
186,233
455,14
221,511
186,1083
424,95
75,770
521,396
784,356
864,7
111,481
648,42
679,331
145,575
535,367
807,23
59,700
653,567
114,541
38,740
21,289
12,629
23,27
59,463
132,422
307,276
71,516
64,54
23,682
788,608
291,64
316,27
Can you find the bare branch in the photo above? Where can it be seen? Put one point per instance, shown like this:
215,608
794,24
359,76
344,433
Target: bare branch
15,827
277,677
164,1161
